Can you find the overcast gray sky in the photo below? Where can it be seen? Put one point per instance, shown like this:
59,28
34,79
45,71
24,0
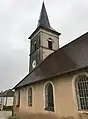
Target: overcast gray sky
18,19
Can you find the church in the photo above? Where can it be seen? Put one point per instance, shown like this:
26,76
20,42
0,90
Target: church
58,77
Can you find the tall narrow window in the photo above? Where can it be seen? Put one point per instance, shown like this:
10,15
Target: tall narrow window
49,101
18,98
30,96
35,45
50,43
82,92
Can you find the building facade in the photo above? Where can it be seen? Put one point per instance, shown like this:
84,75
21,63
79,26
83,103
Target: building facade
6,99
58,77
43,41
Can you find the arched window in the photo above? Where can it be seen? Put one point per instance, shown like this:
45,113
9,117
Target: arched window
82,92
30,96
18,98
49,100
35,45
50,45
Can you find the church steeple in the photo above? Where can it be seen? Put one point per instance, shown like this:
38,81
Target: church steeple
43,41
43,20
44,23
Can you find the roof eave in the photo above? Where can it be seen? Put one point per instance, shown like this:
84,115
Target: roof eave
41,27
66,72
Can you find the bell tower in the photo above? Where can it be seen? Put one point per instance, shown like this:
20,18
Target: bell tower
43,41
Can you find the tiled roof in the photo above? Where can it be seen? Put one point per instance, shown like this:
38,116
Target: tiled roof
66,59
7,93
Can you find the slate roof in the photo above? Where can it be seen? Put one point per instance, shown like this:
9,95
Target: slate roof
69,58
7,93
43,22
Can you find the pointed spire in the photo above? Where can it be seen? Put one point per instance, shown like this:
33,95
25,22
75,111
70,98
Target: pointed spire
43,20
